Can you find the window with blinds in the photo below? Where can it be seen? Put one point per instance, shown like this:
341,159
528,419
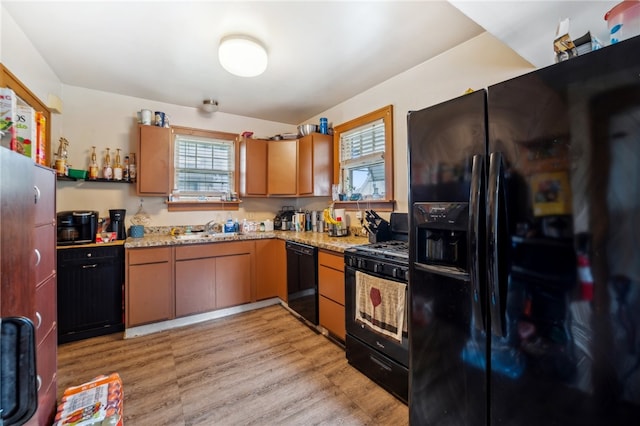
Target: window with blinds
203,166
362,160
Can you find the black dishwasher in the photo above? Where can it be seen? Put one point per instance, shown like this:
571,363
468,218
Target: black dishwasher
302,280
90,287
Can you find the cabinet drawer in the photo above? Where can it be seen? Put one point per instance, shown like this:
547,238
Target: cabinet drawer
46,361
331,284
45,308
89,253
331,260
45,259
44,183
332,316
198,251
149,255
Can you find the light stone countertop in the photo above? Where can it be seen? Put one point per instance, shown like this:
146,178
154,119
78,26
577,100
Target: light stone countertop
317,239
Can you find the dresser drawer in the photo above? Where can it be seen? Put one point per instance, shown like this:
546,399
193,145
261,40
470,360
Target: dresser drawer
45,308
44,240
46,361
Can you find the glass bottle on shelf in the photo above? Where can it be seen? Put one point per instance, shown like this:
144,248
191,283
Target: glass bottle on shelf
93,165
107,170
117,170
132,167
125,170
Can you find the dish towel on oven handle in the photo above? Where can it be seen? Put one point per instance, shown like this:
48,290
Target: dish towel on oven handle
380,304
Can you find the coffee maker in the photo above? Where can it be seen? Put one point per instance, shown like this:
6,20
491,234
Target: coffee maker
116,220
76,227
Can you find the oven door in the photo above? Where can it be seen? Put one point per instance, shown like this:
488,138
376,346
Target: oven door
398,351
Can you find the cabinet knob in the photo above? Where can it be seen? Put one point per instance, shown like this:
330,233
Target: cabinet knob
39,318
39,380
37,194
38,257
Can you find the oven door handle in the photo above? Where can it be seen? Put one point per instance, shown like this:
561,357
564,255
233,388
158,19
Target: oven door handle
476,249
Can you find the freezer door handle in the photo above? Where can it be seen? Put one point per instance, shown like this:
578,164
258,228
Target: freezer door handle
476,236
496,229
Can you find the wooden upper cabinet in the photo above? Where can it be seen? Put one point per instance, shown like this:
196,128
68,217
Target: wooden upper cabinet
155,155
315,164
281,167
253,167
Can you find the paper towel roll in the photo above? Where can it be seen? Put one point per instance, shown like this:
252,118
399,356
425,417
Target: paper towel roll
339,213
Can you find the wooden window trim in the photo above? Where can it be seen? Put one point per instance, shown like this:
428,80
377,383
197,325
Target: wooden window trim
386,114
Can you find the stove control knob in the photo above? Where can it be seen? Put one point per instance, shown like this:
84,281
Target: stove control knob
350,261
377,267
361,263
399,273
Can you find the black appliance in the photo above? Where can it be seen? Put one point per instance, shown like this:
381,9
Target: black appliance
116,223
302,280
76,227
18,383
524,256
373,346
90,291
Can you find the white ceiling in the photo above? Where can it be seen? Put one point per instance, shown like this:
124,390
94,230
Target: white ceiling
320,52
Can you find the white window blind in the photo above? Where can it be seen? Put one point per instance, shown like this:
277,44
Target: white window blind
362,160
204,166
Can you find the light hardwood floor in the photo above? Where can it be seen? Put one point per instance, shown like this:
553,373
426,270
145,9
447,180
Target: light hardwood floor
262,367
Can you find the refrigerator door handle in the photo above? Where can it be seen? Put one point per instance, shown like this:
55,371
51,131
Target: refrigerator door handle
476,233
495,223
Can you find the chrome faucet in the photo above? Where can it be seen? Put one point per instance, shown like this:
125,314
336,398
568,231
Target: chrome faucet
209,227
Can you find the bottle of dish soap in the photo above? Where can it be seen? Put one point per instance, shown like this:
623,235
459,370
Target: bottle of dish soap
229,225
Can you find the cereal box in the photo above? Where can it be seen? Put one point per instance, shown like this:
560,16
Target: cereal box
26,131
98,402
8,111
41,139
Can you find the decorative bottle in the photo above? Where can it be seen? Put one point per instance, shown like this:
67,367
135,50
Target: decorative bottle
132,167
93,165
125,170
117,170
107,171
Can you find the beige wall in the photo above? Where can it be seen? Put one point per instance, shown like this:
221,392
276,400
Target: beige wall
107,120
478,63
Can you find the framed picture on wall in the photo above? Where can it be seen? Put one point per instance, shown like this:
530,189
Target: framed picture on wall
551,193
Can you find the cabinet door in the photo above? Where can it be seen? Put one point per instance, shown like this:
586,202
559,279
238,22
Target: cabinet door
154,161
195,286
281,167
322,164
305,165
89,295
253,167
271,269
149,293
233,280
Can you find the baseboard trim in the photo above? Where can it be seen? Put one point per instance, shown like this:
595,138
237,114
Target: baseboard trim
143,330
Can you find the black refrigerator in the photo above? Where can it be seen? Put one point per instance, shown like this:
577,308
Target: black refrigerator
524,281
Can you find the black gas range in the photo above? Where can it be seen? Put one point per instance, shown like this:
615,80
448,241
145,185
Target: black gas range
381,357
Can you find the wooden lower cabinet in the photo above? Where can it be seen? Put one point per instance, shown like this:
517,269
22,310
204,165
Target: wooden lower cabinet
233,280
331,292
195,286
149,284
271,269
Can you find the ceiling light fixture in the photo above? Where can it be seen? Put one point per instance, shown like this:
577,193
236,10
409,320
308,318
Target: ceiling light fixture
209,105
242,56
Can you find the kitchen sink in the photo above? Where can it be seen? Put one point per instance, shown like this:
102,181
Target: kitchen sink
203,236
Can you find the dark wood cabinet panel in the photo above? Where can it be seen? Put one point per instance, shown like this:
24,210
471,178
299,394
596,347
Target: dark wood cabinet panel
90,285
